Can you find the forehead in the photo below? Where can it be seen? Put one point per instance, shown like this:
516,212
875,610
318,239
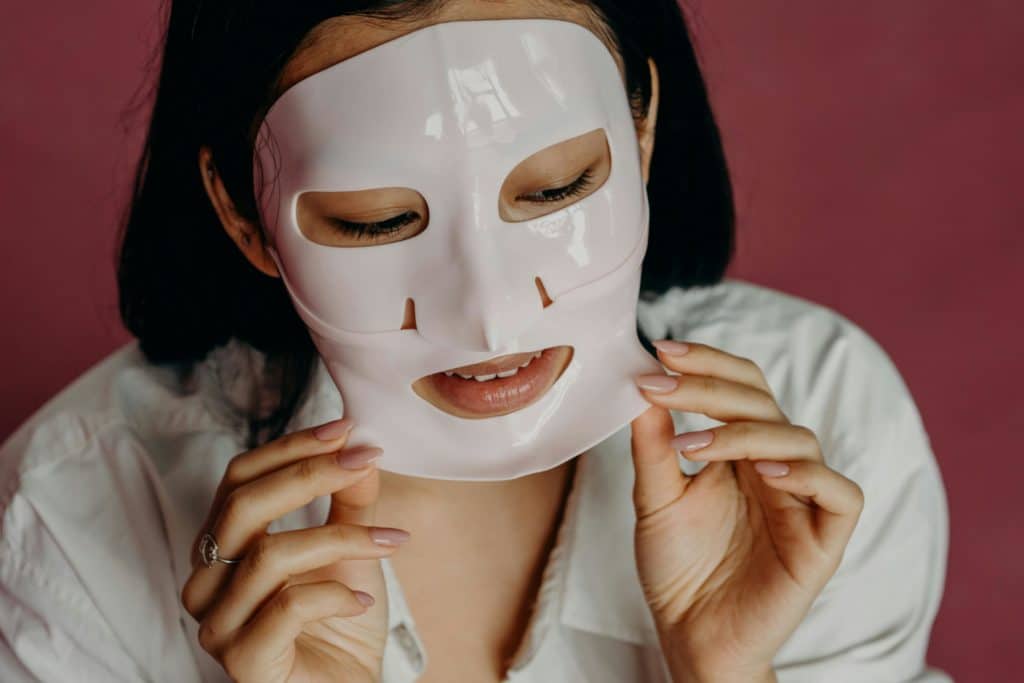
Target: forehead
459,93
339,38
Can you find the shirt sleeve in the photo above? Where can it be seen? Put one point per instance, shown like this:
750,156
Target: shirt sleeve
49,629
86,592
872,621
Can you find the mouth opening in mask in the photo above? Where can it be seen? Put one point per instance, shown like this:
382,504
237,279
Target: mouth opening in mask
497,386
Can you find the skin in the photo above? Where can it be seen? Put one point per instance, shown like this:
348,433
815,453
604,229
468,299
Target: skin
289,612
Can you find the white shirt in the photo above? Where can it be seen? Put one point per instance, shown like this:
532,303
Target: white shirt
104,488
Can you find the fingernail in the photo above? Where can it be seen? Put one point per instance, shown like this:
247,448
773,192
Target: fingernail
365,598
691,441
330,431
771,469
659,384
385,535
671,347
354,458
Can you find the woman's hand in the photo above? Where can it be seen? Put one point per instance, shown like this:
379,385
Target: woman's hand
731,558
306,605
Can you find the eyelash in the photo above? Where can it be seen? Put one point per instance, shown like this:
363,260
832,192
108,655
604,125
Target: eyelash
573,189
393,224
396,223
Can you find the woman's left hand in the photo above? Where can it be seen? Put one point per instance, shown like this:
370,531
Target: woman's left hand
731,558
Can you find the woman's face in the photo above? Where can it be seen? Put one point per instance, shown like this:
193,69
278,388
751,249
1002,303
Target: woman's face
546,181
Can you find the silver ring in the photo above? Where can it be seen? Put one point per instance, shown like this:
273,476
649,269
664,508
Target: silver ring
208,551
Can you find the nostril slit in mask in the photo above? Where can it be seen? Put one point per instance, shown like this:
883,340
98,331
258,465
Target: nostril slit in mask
409,317
545,299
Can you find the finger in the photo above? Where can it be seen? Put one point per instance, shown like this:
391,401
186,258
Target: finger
659,479
691,358
249,509
719,399
746,440
838,500
287,449
272,455
275,559
273,630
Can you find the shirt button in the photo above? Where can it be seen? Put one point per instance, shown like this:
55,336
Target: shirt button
408,643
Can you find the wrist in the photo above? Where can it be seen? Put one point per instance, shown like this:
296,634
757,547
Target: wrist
689,674
684,667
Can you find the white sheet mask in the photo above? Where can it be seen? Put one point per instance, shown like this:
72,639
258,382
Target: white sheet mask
449,111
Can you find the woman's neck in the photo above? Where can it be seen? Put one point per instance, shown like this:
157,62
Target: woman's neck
438,505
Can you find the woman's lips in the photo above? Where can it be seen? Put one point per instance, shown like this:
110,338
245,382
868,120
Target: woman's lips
473,398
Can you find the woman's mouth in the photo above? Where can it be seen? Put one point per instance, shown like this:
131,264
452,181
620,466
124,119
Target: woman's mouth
497,386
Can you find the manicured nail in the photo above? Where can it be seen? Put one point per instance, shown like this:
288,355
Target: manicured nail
336,429
365,598
360,456
671,347
386,535
659,384
770,468
691,441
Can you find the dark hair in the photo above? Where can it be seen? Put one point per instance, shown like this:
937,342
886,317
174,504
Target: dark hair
185,288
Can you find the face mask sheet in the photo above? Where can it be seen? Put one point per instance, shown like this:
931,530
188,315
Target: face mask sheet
449,110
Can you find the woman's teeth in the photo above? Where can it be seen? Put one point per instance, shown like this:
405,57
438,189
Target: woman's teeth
504,373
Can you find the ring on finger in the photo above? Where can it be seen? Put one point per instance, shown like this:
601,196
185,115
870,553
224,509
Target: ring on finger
208,551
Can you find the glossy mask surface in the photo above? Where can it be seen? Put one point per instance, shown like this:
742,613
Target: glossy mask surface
448,111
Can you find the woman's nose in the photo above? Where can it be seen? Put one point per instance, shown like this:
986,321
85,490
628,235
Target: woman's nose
507,314
490,293
486,316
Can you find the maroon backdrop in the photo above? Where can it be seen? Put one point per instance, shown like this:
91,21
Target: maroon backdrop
877,160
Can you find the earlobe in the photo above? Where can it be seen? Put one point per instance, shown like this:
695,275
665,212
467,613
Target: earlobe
245,235
249,240
645,133
262,259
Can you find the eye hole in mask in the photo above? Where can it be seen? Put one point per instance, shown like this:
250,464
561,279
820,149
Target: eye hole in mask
548,180
555,177
362,218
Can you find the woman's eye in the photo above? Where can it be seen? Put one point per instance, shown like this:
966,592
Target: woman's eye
377,228
573,189
396,223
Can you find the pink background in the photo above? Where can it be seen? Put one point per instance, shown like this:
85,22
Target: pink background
878,163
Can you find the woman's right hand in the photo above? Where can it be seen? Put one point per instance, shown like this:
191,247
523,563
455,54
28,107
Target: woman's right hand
293,608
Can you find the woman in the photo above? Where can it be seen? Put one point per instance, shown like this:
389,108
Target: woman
179,512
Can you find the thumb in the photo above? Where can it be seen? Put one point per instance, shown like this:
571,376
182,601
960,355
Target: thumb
356,504
659,479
